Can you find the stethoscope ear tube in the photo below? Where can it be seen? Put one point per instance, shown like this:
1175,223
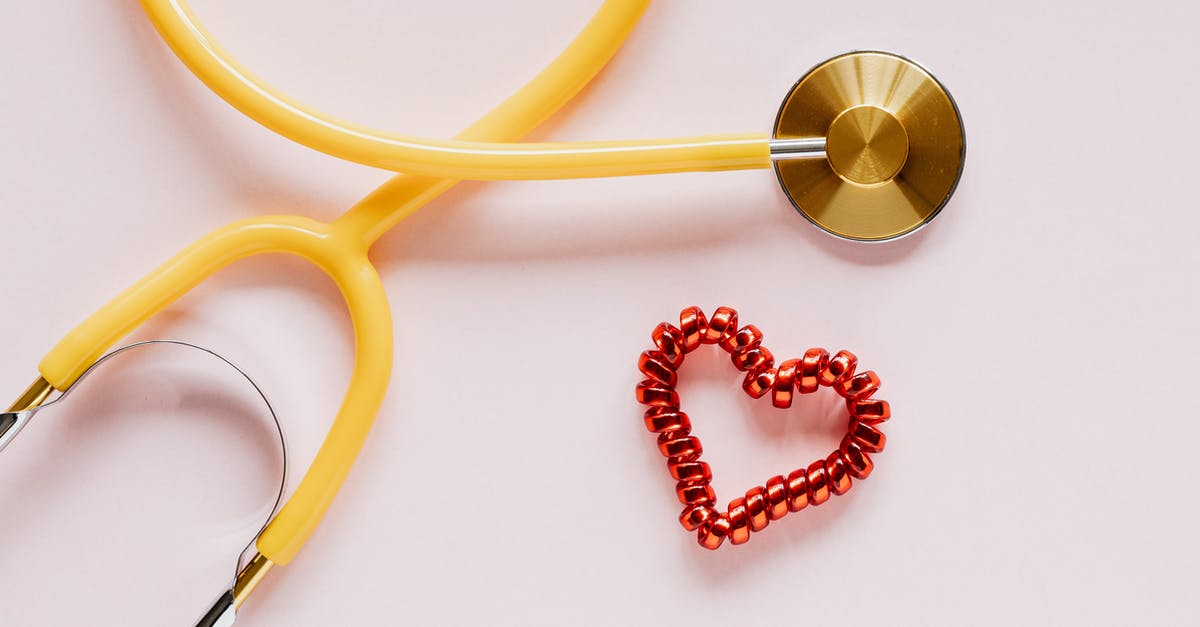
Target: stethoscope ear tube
221,614
223,611
11,424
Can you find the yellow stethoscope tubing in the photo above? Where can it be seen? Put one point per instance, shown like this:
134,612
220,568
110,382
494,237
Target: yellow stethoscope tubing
452,159
340,250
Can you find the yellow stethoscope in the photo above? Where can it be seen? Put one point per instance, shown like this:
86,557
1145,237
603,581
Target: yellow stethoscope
868,146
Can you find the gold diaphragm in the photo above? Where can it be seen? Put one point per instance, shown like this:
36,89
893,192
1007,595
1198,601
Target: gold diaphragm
894,146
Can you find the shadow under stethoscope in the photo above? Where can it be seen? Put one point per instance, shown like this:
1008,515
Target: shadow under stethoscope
459,228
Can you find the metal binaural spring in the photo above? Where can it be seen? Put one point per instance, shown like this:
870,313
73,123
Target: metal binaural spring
813,484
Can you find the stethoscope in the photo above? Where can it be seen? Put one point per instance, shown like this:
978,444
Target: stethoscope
867,146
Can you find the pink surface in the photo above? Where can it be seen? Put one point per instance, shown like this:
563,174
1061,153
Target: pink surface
1035,341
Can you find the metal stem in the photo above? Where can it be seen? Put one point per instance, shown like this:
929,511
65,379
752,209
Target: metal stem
34,396
799,148
250,577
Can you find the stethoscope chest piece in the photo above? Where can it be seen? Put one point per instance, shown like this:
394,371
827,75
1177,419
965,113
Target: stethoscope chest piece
894,146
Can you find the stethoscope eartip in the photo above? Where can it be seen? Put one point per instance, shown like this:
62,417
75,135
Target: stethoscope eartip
894,146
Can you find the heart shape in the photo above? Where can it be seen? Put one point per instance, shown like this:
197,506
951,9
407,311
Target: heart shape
808,485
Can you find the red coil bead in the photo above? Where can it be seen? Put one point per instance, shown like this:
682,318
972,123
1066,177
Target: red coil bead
679,447
811,485
868,437
695,493
669,341
758,382
694,325
744,339
655,365
753,360
713,536
818,483
721,325
756,508
860,386
811,366
656,394
690,471
660,419
739,522
839,476
696,516
797,485
858,463
777,497
785,384
870,411
841,366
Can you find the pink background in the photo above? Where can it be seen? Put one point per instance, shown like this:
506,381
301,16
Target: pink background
1037,341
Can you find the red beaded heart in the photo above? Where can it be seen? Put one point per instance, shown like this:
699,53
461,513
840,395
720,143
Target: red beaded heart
810,485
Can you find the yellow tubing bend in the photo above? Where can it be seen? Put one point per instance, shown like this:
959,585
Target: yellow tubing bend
340,249
342,257
454,159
